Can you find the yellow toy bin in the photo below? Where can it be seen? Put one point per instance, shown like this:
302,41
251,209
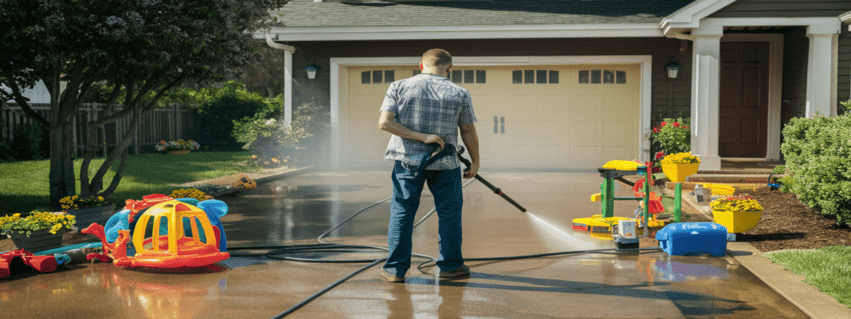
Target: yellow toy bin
737,222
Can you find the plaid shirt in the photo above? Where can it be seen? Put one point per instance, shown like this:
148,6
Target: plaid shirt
429,104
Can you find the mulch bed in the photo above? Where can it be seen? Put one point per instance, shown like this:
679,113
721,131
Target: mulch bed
786,223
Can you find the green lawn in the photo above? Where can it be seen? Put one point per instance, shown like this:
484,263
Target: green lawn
827,269
24,186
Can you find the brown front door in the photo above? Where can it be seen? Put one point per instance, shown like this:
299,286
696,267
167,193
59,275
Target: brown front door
744,100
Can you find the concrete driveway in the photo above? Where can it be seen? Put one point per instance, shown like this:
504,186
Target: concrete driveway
297,209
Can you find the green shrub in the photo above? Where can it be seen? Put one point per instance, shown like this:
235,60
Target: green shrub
673,135
275,145
818,155
215,119
6,152
31,142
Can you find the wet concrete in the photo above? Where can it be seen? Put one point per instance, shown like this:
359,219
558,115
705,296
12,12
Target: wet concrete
296,210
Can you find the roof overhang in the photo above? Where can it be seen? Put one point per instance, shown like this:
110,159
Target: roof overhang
846,18
689,16
612,30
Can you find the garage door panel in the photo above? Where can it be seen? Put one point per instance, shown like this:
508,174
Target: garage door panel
520,128
614,130
588,104
549,128
519,153
550,104
521,125
616,104
585,129
617,153
366,128
548,153
359,108
585,156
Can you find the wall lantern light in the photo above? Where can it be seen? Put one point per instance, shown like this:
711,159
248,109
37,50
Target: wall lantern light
673,68
311,70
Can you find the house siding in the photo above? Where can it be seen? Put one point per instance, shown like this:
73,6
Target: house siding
783,8
795,51
844,72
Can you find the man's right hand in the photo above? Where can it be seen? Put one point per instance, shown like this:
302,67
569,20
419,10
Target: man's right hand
433,138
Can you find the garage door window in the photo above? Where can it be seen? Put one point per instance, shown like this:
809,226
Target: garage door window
602,76
377,76
534,77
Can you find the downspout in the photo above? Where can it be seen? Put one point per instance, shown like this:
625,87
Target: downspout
288,77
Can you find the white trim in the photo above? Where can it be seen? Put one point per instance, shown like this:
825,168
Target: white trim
775,85
600,30
691,15
816,24
339,85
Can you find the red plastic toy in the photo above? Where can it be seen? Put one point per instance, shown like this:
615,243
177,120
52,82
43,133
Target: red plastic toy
173,250
40,263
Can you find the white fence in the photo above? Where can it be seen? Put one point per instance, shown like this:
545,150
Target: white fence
166,123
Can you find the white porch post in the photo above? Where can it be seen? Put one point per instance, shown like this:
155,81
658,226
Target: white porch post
705,112
821,72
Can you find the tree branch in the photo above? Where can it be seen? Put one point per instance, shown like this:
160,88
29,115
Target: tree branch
23,102
118,175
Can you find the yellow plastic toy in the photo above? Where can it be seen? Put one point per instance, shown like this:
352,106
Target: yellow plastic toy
622,165
596,224
720,189
177,248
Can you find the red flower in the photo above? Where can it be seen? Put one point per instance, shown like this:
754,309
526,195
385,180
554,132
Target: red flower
685,127
659,155
655,130
664,123
676,124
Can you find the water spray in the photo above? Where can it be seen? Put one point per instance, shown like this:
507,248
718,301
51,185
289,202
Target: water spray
495,189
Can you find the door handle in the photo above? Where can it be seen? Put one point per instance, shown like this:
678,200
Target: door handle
495,124
502,120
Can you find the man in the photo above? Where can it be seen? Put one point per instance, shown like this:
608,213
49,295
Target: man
424,113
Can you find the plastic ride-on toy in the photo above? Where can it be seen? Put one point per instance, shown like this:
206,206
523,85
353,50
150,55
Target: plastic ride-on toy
173,246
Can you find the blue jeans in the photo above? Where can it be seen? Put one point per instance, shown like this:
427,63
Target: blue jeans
445,186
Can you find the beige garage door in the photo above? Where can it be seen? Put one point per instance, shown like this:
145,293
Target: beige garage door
541,117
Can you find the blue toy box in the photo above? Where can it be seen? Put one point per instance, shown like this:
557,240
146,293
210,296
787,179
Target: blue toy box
683,239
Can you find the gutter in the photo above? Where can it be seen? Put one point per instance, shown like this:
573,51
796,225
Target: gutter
288,77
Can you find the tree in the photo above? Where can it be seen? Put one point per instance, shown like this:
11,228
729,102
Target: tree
139,48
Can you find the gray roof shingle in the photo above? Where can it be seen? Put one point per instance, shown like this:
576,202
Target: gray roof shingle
306,13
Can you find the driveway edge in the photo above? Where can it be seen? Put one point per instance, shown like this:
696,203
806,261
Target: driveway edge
791,286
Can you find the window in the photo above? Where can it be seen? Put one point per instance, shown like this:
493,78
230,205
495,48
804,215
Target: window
529,76
377,76
481,76
601,77
456,76
534,76
553,77
468,76
541,76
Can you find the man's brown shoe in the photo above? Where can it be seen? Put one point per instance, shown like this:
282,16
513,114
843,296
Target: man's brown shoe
461,272
391,278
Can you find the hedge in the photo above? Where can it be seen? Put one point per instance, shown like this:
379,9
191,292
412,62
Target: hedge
818,155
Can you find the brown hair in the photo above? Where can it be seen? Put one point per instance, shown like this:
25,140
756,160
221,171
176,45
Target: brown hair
437,57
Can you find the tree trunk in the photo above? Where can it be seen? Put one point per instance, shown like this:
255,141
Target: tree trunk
62,181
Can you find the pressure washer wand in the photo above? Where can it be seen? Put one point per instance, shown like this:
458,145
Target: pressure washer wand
495,189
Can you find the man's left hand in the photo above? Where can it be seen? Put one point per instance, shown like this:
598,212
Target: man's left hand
474,169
